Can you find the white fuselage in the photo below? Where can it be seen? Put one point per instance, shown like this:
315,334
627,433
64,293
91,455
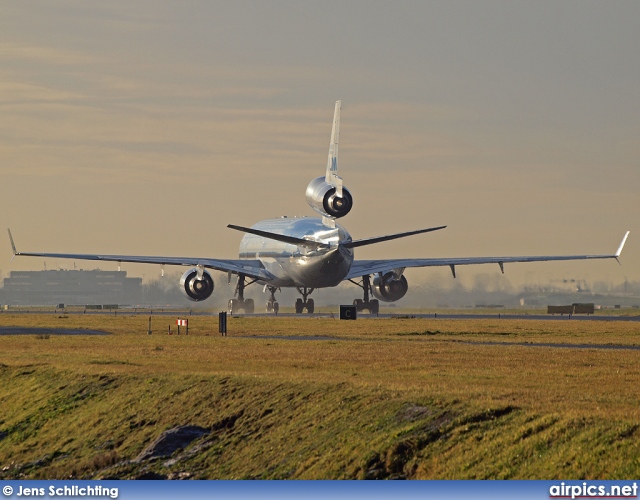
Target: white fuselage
293,265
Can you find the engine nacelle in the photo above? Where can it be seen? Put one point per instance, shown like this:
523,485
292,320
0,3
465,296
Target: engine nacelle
321,196
196,289
388,288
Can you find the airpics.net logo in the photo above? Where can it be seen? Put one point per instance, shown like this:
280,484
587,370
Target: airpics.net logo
586,490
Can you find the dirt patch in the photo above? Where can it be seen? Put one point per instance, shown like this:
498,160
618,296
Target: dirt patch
170,441
413,412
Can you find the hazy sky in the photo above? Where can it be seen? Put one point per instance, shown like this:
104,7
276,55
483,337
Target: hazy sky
144,128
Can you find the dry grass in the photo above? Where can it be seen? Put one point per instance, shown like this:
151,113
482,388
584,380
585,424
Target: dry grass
405,397
398,354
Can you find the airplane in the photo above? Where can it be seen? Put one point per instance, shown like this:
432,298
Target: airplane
309,253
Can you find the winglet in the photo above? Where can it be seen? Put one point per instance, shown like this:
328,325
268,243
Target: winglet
13,245
619,251
624,239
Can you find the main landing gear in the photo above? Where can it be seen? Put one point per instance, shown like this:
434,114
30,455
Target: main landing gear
301,304
372,305
241,304
247,305
304,302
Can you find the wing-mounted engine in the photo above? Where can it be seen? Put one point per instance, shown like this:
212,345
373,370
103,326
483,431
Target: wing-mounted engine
323,198
196,288
388,288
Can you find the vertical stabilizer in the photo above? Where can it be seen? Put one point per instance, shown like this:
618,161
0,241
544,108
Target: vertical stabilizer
326,195
332,163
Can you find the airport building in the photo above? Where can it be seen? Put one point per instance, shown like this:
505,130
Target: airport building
72,287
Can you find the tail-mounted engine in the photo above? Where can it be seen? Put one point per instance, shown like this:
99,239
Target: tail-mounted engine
388,288
195,288
322,197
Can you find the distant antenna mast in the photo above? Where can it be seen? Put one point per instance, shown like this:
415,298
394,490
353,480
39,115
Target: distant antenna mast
45,265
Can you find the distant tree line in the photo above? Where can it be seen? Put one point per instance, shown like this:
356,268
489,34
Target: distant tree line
484,289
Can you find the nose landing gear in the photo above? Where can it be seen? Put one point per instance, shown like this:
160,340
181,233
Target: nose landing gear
272,304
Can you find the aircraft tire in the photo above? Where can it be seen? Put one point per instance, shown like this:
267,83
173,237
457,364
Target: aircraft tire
299,306
310,306
358,304
374,306
249,306
276,307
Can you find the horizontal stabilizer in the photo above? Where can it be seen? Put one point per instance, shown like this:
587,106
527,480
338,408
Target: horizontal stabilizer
281,237
378,239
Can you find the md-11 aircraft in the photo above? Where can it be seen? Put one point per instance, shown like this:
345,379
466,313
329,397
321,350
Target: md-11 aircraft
309,253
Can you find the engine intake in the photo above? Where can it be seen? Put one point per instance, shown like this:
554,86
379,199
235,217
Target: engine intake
321,196
196,289
388,288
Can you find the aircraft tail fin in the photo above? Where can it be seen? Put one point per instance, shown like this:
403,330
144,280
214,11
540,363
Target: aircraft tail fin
331,176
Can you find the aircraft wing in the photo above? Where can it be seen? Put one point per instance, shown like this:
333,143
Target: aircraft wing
250,268
363,267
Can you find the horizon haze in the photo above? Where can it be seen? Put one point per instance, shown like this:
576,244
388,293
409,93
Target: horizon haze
146,128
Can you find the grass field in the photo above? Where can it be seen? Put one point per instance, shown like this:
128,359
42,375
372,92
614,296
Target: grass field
383,398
